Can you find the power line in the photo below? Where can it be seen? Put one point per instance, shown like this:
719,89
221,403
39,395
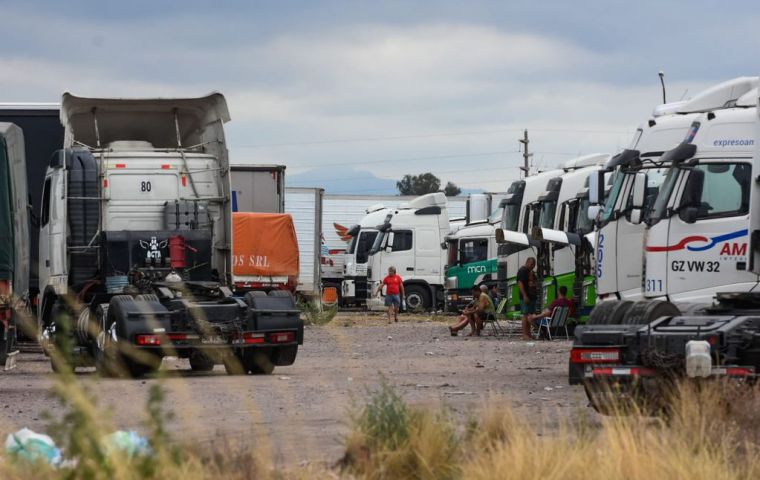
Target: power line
425,135
407,159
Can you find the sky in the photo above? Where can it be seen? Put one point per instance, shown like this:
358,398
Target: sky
389,87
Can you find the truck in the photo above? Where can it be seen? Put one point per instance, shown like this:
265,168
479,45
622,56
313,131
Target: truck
305,205
340,216
14,241
42,135
136,249
412,239
564,224
260,189
472,251
618,224
631,360
515,243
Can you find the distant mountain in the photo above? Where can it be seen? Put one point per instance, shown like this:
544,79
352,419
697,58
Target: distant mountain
348,181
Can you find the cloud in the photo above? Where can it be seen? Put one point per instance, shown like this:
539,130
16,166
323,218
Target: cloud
344,79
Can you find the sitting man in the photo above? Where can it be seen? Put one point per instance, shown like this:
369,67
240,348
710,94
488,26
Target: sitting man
476,312
561,301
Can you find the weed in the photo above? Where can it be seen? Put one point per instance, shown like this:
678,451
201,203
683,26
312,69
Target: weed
315,313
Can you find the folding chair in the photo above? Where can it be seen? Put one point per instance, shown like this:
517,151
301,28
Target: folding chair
493,320
557,321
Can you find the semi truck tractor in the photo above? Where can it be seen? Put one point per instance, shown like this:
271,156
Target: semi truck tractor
472,252
413,241
341,220
14,241
136,247
634,358
564,225
618,226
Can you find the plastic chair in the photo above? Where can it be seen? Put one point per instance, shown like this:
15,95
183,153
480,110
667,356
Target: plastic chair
556,321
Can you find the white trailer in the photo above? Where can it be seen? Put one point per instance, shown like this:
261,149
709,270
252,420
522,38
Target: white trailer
258,188
305,205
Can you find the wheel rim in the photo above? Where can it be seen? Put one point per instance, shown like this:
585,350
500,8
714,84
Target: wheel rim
414,301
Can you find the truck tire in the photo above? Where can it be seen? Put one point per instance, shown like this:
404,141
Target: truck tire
644,312
600,314
609,313
417,298
233,365
610,399
257,363
200,362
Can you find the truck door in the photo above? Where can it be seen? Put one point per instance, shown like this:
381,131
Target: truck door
629,239
52,259
708,239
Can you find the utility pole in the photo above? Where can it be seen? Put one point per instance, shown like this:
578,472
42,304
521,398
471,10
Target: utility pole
526,154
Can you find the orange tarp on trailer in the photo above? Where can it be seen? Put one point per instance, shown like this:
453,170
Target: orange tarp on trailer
264,244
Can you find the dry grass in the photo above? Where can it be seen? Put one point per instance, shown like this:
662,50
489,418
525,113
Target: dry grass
712,431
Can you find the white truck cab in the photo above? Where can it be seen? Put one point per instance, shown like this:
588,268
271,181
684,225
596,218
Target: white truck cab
354,285
620,232
697,239
413,241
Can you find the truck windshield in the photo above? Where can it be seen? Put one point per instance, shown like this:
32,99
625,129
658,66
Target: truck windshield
365,243
496,215
548,209
511,217
660,207
655,179
352,246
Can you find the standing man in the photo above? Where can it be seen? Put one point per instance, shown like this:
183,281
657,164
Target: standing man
526,282
394,292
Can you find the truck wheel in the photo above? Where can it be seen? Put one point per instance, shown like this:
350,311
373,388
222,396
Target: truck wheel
233,365
417,298
618,313
600,314
644,312
610,399
200,362
257,363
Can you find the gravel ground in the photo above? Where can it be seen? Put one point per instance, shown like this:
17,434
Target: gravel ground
300,411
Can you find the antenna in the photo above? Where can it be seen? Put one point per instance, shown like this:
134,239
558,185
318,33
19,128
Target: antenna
662,82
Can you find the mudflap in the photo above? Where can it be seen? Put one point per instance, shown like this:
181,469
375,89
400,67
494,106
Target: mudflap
275,313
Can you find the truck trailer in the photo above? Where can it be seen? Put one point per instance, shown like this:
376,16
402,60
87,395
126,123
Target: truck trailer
136,245
14,241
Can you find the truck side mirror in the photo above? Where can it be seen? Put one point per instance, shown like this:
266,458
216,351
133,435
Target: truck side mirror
636,216
499,235
389,242
688,214
503,203
596,188
639,190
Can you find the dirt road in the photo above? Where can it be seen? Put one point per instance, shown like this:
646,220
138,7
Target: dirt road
300,411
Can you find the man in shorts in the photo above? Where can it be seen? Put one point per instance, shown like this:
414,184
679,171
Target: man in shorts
394,292
526,282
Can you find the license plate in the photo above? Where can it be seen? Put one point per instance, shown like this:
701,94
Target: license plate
216,340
